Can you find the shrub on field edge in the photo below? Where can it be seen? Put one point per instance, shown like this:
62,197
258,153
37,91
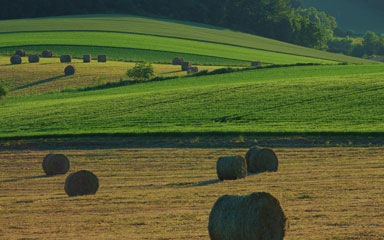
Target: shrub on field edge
3,91
142,71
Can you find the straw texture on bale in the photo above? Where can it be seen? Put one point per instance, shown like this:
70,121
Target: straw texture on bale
261,160
253,217
33,58
194,69
54,164
185,66
16,59
47,54
177,61
258,63
69,70
231,168
65,58
102,58
20,52
87,58
81,183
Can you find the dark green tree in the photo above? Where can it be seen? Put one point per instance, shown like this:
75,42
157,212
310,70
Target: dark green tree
141,72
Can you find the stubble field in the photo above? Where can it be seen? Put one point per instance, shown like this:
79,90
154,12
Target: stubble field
167,193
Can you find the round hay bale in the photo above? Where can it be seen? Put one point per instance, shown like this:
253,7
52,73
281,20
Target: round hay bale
81,183
54,164
33,58
47,54
258,63
87,58
257,216
231,168
185,66
102,58
20,52
16,59
177,61
194,69
261,160
69,70
65,58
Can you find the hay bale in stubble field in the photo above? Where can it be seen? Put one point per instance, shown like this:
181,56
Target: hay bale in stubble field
102,58
16,59
194,69
81,183
20,52
47,54
54,164
258,216
65,58
177,61
87,58
255,64
69,70
185,66
261,160
231,168
33,58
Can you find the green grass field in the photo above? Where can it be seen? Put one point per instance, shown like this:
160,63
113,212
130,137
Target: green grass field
338,98
161,28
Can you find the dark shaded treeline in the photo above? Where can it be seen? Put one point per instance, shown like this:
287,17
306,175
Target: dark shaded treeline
277,19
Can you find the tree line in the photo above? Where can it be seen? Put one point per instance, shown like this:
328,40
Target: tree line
284,20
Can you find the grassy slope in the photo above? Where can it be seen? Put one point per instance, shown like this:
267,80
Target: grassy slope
295,99
168,193
164,44
353,15
126,23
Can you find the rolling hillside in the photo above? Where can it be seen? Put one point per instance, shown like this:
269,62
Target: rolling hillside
341,99
153,28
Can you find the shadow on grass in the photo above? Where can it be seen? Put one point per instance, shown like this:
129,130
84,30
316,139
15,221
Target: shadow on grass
24,178
206,183
38,82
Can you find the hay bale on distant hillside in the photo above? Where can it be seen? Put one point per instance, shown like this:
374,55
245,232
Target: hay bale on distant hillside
47,54
102,58
256,64
185,66
69,70
87,58
194,69
258,216
54,164
81,183
177,61
33,58
231,168
16,59
65,58
261,160
20,52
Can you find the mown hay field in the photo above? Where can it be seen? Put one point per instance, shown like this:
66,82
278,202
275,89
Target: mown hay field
48,75
329,99
154,43
167,193
167,28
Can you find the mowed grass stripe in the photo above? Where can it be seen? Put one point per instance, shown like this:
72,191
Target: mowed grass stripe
350,102
125,54
166,27
125,40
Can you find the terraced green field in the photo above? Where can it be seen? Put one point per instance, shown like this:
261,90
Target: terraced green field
164,28
153,43
292,99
